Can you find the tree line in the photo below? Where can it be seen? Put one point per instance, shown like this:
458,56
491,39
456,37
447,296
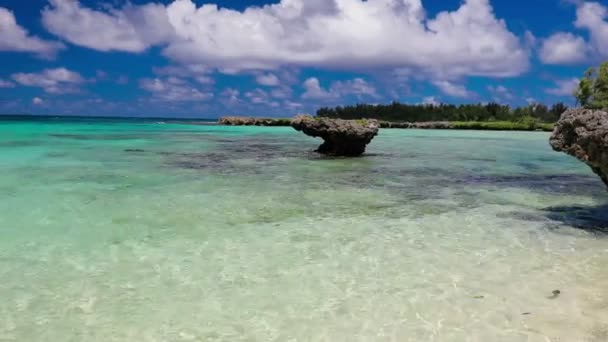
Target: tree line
591,92
400,112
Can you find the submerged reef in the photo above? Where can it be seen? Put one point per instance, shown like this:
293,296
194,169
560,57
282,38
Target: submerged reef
347,138
583,133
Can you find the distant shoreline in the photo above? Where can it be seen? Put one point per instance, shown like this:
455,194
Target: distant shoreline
286,122
449,125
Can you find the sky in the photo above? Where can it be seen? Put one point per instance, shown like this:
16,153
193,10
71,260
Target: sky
202,59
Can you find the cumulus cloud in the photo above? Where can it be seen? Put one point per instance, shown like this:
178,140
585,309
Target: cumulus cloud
563,48
281,93
357,87
500,93
204,79
260,97
37,101
230,97
453,89
568,48
15,38
270,80
328,33
132,28
195,72
563,87
593,17
173,89
313,90
54,81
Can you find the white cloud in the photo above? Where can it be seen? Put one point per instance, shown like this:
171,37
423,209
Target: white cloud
563,87
592,16
328,33
358,87
37,101
15,38
500,93
204,79
196,72
430,100
6,84
292,105
260,97
54,81
270,80
452,89
230,97
173,89
567,48
281,93
563,48
131,29
313,90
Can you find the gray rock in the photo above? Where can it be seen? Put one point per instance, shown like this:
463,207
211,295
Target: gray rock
253,121
341,137
434,125
583,133
403,125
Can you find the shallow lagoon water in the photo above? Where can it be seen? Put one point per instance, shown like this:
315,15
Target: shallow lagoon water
129,231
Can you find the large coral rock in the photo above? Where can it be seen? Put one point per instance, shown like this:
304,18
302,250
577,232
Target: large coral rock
341,137
583,133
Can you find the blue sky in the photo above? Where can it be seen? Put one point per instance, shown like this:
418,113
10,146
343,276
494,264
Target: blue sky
191,58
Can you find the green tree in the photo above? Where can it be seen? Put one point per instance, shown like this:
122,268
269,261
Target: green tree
556,111
600,88
584,91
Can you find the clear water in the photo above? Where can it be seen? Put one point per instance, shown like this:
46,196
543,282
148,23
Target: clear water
147,232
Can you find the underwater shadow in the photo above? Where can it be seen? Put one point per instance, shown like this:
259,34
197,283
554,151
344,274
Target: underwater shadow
593,219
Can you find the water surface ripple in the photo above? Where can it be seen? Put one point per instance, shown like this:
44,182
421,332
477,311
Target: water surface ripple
129,231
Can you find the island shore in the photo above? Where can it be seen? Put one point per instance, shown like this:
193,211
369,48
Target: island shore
462,125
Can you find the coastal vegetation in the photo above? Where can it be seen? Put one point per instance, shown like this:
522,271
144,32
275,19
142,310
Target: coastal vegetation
491,112
525,124
592,89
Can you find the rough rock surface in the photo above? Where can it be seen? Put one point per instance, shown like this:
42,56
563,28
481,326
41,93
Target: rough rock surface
251,121
341,137
418,125
583,133
433,125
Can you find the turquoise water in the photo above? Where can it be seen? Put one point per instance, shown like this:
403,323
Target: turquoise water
135,231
